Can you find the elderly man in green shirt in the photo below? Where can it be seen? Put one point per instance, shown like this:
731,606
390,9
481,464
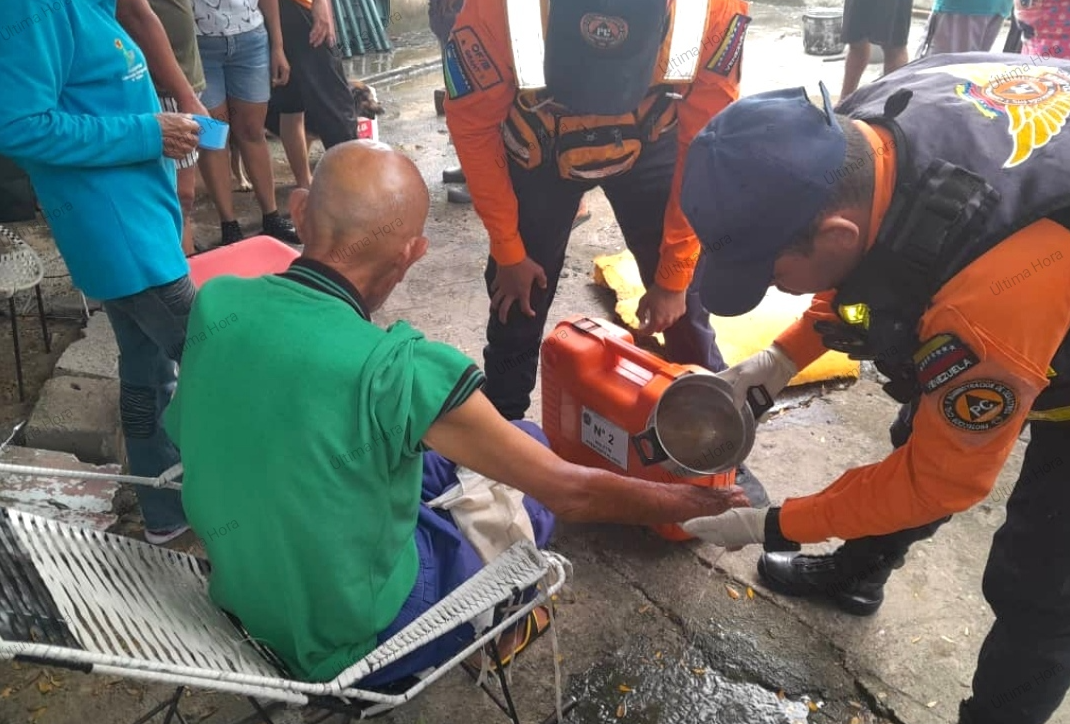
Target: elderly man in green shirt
312,437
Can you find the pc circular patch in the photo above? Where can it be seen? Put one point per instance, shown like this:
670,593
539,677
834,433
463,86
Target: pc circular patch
979,405
602,31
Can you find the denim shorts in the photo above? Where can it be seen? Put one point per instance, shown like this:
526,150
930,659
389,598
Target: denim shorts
236,67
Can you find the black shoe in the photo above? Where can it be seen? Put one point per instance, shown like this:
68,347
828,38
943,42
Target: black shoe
453,175
459,195
231,233
280,228
795,574
752,487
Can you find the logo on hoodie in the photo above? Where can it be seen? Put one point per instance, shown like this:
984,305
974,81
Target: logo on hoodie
135,70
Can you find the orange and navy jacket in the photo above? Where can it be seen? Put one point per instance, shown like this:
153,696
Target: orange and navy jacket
1011,307
475,112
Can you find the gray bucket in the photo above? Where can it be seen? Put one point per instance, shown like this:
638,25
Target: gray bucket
821,31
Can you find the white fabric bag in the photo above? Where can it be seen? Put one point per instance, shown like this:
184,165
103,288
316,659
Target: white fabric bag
489,514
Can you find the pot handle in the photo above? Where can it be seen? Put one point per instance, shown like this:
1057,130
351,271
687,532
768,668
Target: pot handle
658,453
760,400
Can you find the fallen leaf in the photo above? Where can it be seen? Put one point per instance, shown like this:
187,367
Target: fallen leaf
657,655
624,689
6,692
698,672
644,609
732,593
855,704
812,706
855,720
915,640
35,714
931,704
44,687
622,710
750,592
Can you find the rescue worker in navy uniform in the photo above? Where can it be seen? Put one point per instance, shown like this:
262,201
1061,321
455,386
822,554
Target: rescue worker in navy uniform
929,215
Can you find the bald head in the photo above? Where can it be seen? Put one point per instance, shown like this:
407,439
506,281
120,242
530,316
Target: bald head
365,200
364,216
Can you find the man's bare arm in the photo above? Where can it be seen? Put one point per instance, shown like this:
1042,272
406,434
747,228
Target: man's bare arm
137,17
476,436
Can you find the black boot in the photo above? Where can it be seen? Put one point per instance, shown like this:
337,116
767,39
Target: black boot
453,175
752,487
858,593
458,195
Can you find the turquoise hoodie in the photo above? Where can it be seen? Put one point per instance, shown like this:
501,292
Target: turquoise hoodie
78,114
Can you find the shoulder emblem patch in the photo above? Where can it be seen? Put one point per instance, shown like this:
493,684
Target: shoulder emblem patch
458,84
731,46
478,64
942,359
979,405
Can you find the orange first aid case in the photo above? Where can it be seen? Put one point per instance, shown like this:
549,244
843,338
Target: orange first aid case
598,391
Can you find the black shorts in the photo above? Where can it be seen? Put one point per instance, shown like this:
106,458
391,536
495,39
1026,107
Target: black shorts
884,22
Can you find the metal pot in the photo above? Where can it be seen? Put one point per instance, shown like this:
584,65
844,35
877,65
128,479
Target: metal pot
695,428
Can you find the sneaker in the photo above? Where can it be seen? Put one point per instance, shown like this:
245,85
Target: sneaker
231,233
163,537
280,228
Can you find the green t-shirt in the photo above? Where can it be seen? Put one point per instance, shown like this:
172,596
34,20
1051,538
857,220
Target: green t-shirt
176,16
300,425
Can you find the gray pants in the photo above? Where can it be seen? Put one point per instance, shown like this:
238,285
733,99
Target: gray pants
957,33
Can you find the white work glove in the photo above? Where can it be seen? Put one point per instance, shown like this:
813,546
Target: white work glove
736,528
771,368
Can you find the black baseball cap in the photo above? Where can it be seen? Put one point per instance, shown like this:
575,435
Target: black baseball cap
601,54
755,178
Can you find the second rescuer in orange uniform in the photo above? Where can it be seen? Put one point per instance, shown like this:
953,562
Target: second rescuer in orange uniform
543,107
935,206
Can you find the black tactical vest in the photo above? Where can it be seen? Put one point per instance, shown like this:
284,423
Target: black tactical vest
981,152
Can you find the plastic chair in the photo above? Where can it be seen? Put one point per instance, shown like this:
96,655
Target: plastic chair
252,257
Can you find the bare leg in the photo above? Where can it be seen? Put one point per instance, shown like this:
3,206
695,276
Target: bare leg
247,127
894,58
857,60
215,170
187,191
292,135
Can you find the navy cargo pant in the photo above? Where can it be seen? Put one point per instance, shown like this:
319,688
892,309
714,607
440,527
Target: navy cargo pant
548,205
1023,671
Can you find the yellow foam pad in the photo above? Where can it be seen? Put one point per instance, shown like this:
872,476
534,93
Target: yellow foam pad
738,337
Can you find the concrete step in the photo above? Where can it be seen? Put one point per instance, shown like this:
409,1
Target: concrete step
96,355
78,415
82,503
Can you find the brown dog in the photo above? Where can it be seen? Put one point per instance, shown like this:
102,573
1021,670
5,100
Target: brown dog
364,99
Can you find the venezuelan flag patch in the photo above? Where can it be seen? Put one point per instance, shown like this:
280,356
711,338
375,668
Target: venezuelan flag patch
731,46
458,84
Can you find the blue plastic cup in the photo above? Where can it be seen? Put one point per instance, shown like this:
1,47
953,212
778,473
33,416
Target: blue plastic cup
213,133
